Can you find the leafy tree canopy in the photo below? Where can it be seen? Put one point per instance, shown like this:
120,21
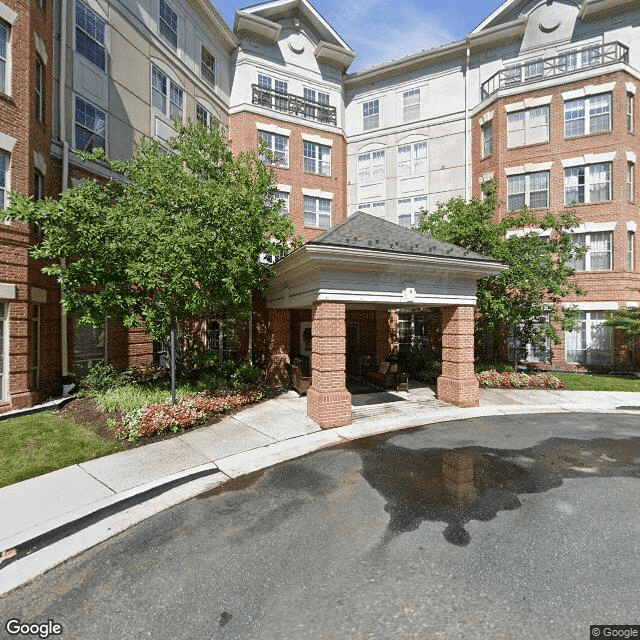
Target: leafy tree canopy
538,276
179,234
626,320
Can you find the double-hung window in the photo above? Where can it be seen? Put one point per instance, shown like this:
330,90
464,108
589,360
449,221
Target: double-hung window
371,114
278,146
410,105
597,255
89,346
410,211
317,212
630,111
371,166
317,158
280,99
412,158
90,126
530,189
571,60
39,91
521,350
283,196
529,126
630,249
169,24
583,116
487,138
90,35
205,117
376,209
630,180
207,66
5,30
533,69
587,184
591,343
166,96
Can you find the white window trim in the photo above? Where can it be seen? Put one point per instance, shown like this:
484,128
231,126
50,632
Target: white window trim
9,17
589,90
528,126
528,191
215,65
316,161
413,159
160,35
528,168
317,193
275,163
588,325
307,137
172,80
587,258
485,118
587,116
370,116
100,13
317,199
106,121
588,183
272,128
370,165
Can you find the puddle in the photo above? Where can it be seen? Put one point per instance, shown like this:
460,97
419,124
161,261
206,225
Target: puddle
456,486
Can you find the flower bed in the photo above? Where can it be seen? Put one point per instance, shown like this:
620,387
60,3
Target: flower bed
158,418
511,380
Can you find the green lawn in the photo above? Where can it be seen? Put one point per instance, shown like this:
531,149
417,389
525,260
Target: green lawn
597,382
42,442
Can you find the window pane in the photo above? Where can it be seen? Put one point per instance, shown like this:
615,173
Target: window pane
158,90
600,113
168,24
207,66
574,118
90,35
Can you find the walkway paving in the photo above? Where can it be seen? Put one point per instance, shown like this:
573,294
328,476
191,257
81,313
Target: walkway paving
48,519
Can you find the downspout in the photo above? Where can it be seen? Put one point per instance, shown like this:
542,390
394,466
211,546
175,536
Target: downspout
467,127
64,348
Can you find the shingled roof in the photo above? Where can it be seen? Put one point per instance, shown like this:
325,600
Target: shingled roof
364,231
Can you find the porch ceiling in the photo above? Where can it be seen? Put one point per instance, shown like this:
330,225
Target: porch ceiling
368,262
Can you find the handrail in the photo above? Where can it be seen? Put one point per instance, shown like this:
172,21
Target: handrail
597,55
292,104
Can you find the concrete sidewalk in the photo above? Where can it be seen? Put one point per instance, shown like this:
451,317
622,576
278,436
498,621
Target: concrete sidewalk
53,517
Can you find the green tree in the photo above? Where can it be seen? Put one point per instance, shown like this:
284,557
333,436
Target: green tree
523,296
626,320
179,233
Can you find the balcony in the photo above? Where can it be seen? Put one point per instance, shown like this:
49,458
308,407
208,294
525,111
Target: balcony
565,63
293,105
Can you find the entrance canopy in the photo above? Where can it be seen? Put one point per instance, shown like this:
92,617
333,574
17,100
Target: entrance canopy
368,262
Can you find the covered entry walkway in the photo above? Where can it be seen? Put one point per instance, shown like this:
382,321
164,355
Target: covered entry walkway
368,264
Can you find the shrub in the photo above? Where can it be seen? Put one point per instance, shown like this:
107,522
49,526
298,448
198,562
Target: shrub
510,380
100,377
493,366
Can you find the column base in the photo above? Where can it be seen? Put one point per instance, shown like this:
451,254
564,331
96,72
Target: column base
329,408
463,392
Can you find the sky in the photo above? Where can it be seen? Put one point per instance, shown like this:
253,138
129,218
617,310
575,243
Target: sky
383,30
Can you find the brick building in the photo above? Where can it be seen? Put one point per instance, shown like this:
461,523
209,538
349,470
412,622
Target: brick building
541,96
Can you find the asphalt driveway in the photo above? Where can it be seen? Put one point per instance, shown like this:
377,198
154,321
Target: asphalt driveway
499,527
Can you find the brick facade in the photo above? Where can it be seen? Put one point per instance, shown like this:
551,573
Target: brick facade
458,384
328,401
620,284
243,133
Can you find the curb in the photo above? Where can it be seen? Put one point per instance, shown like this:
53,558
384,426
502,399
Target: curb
72,534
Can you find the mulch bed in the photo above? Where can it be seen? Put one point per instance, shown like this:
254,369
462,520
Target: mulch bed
87,413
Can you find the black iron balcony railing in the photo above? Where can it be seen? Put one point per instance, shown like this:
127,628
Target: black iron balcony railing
293,105
568,62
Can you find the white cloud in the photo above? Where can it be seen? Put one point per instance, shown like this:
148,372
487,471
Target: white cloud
382,30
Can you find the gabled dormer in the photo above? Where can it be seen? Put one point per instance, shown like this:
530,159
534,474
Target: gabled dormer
303,28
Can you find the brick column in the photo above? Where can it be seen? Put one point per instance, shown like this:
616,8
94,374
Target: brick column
279,334
328,401
458,384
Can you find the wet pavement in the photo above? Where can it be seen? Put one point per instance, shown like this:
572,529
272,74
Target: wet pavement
496,527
